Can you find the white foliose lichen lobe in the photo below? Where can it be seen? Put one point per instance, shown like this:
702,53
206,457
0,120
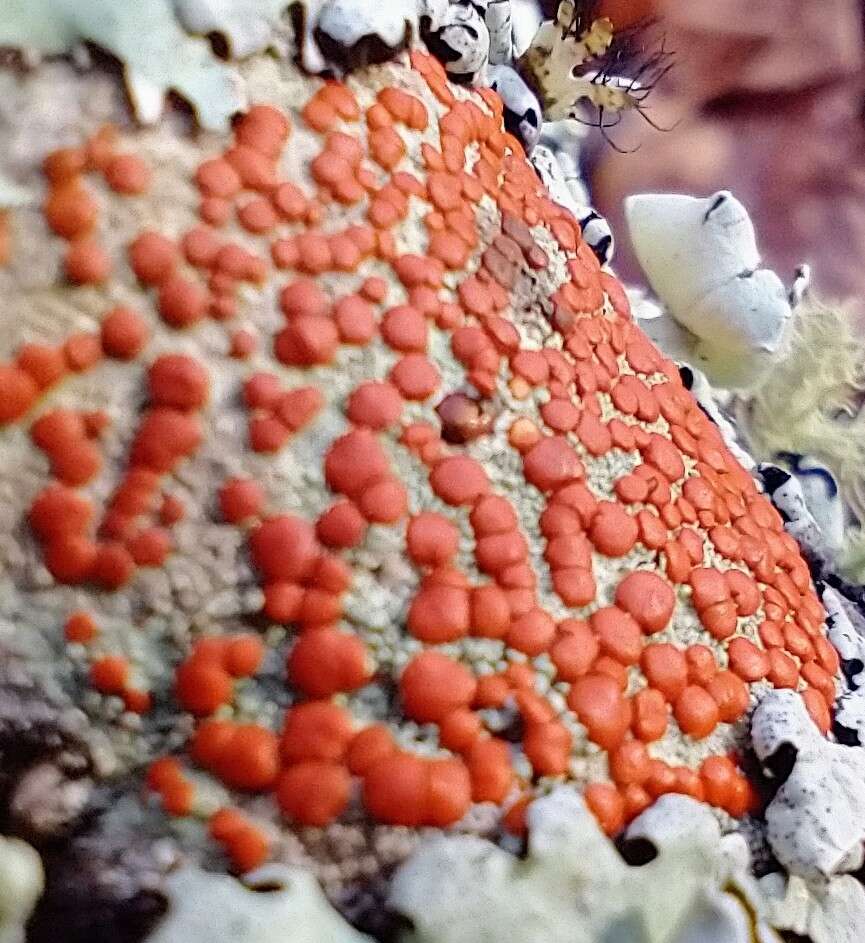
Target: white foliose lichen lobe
274,904
573,886
21,883
814,824
849,718
826,911
701,258
162,47
157,54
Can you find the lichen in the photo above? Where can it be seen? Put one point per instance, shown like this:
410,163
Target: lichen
850,707
157,55
807,403
573,886
700,257
555,55
248,26
272,905
830,911
21,883
251,26
815,824
785,491
152,40
571,61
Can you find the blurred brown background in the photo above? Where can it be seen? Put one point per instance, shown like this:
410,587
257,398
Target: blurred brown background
769,96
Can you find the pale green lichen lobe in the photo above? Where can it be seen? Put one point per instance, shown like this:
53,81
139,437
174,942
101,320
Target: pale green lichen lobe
158,56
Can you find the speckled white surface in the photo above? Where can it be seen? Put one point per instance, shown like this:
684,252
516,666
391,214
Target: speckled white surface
290,908
815,822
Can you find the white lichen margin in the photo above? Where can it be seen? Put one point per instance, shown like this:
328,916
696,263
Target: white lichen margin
700,258
575,887
850,645
825,912
157,54
21,885
154,40
815,825
275,904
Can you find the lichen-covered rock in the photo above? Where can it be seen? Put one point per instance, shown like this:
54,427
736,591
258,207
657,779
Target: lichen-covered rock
157,55
152,39
847,639
344,498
